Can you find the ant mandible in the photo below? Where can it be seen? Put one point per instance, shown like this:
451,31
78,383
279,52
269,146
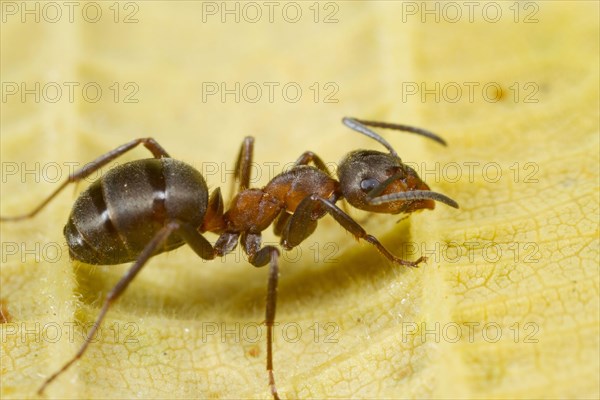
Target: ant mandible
149,206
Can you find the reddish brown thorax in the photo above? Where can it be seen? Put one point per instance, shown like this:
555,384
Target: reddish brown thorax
295,185
253,210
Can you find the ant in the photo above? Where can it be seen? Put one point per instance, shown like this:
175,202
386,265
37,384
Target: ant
146,207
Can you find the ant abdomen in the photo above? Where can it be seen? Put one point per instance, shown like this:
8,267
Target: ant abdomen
118,215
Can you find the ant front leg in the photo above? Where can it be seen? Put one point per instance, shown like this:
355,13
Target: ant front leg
303,222
151,144
281,222
308,156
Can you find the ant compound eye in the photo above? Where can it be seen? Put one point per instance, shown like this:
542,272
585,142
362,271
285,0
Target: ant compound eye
368,184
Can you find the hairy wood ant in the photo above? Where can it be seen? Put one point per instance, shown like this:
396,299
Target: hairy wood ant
149,206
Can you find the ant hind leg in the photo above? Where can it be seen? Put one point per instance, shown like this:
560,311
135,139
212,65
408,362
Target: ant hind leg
151,144
157,241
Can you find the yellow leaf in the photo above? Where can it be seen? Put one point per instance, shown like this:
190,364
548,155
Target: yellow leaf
506,306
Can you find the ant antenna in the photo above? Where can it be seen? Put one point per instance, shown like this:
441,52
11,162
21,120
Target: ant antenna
355,124
404,128
415,195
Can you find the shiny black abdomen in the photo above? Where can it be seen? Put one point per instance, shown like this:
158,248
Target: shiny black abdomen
117,216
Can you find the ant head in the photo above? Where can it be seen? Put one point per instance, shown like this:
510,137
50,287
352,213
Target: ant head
380,182
366,175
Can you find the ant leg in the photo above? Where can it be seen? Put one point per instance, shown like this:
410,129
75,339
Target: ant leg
158,240
86,170
270,315
280,222
226,242
301,224
304,217
308,157
258,258
242,166
196,241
